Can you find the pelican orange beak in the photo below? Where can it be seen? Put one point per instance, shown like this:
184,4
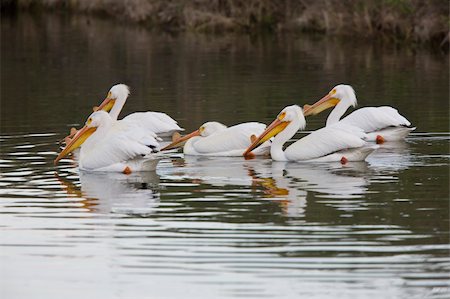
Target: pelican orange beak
273,129
77,140
180,141
324,103
73,131
107,103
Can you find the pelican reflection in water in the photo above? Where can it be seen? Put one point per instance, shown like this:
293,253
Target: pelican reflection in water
105,193
284,182
392,156
291,183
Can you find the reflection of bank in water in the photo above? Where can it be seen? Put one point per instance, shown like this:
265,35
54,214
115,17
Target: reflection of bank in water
104,193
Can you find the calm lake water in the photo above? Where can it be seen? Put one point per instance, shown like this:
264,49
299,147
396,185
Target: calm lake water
217,227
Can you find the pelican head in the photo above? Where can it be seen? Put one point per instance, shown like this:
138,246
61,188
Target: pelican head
95,120
290,114
116,97
98,119
205,130
210,128
341,93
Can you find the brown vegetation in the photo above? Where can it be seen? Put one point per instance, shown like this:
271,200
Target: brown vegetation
410,20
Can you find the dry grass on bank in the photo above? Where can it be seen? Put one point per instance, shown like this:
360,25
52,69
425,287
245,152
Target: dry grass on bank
406,20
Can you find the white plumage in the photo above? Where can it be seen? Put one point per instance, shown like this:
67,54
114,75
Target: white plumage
380,123
328,144
215,139
152,122
230,141
375,118
114,146
324,142
157,122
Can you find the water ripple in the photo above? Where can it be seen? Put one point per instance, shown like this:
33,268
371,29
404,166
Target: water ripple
220,222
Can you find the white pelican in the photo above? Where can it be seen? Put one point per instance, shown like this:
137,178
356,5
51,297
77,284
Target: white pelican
329,144
159,123
379,123
216,139
109,145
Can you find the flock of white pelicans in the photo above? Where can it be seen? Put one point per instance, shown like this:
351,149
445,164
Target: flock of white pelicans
133,143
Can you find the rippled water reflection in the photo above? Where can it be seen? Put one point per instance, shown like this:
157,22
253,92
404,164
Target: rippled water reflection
227,227
218,228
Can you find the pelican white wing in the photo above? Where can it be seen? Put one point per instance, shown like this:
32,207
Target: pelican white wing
324,142
380,123
375,118
230,140
157,122
121,143
334,143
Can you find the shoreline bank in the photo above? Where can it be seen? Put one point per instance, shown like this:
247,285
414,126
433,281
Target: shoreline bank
410,21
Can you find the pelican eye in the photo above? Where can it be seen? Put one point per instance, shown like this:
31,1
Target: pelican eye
282,115
109,96
201,129
89,121
333,91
